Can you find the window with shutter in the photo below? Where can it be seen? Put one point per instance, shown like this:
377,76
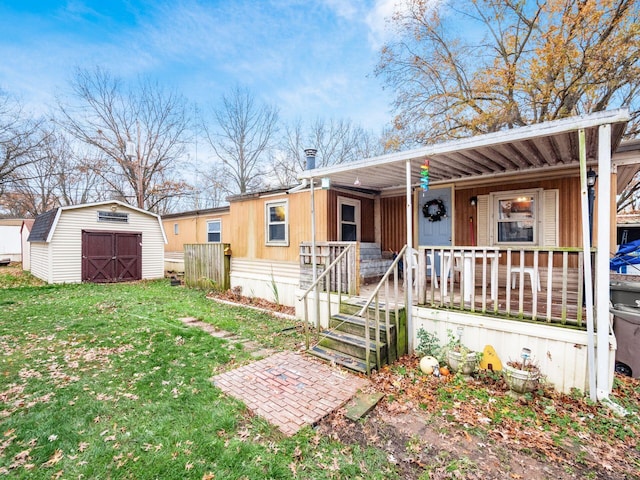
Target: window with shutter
528,217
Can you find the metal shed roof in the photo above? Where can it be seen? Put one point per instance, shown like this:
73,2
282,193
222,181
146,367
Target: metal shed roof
549,145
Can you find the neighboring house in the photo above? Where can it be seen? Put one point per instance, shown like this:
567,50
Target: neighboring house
196,226
97,242
10,239
25,230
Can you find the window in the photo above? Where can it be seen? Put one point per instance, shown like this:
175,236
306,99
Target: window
175,229
113,217
516,218
214,231
277,223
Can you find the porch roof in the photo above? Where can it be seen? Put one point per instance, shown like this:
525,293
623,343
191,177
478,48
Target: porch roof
548,145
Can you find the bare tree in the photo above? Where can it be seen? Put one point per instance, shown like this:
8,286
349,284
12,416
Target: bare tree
478,66
242,136
21,138
58,175
337,141
140,133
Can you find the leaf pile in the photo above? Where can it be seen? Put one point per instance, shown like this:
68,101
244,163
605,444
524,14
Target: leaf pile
568,430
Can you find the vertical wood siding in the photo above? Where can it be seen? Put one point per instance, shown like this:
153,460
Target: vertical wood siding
367,220
569,220
394,222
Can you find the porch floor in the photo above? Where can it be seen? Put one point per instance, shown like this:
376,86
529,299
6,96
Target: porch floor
440,300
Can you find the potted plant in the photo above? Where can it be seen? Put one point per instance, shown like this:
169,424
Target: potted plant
460,358
522,376
463,360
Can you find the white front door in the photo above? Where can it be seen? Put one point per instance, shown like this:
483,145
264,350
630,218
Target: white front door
348,219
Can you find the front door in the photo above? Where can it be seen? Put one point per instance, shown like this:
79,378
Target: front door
435,229
348,219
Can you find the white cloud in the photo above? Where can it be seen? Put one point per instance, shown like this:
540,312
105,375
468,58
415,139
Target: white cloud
378,18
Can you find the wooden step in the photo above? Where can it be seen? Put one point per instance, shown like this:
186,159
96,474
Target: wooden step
354,305
350,344
356,326
341,358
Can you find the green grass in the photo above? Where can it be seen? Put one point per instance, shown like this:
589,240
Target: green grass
104,381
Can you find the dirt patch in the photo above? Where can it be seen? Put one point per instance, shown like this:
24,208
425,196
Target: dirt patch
429,439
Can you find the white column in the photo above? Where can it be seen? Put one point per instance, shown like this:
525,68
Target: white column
602,261
408,271
586,246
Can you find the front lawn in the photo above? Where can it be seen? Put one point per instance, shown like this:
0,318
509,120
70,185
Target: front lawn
105,381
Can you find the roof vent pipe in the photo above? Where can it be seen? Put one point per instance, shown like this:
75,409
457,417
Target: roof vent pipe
311,157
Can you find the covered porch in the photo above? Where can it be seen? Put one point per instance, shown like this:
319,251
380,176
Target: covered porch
551,277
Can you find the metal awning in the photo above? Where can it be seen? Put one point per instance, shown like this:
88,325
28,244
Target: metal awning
549,145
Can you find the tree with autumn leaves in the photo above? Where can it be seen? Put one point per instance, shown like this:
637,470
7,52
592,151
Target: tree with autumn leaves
477,66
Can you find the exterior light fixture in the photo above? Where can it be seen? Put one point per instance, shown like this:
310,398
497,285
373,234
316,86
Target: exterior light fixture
591,178
473,201
357,183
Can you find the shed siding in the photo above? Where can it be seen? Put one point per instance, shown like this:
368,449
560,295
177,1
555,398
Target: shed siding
40,260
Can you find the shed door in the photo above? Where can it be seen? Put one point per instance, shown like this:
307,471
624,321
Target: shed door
111,256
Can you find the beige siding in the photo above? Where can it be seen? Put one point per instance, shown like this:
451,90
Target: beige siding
193,229
247,232
40,261
271,280
26,250
66,243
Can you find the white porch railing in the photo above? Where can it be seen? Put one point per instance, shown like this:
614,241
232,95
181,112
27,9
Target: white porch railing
540,284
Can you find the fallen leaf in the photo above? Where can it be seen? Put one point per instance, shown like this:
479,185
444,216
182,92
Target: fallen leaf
55,458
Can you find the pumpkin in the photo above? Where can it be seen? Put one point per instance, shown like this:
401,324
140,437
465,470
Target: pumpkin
444,371
428,364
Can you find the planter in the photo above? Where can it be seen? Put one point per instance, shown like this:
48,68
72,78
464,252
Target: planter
464,362
521,381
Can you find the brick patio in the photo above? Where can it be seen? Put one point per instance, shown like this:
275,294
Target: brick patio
290,390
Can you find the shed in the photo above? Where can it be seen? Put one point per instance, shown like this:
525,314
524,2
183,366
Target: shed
98,242
25,231
10,238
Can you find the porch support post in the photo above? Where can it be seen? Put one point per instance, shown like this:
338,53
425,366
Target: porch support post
588,283
408,271
314,264
602,260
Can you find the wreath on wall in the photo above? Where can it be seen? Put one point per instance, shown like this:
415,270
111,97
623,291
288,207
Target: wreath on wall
434,210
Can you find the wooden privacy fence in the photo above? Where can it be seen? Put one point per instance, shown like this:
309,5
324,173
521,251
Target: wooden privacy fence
207,265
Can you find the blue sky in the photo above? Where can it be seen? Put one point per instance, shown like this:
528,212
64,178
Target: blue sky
311,58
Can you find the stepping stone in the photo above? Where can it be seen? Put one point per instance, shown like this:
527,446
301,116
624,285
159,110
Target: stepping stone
362,404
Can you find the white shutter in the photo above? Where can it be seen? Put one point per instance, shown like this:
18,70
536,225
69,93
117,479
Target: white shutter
549,234
483,227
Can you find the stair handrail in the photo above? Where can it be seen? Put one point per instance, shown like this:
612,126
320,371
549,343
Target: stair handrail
364,313
304,296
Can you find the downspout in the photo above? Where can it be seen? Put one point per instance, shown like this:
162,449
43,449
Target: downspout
586,245
408,271
311,164
602,260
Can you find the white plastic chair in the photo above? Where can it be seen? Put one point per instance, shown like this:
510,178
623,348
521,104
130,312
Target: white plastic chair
415,260
534,277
